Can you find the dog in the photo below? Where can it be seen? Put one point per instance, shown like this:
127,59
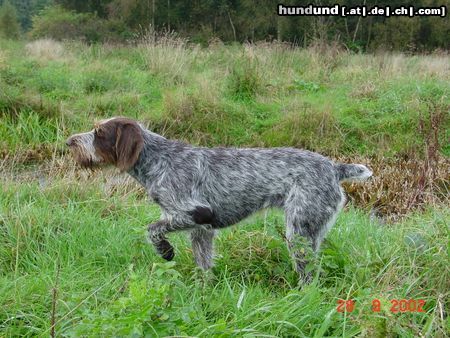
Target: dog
205,189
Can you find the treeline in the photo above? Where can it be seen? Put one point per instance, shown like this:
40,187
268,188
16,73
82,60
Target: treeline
236,20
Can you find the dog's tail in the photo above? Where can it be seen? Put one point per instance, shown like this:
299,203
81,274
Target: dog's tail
352,172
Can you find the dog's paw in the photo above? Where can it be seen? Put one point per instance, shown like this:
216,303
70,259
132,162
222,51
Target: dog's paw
165,249
169,254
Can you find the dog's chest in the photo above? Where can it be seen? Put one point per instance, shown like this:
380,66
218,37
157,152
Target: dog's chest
155,195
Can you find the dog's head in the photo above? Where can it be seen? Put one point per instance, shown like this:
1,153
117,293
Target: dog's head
117,141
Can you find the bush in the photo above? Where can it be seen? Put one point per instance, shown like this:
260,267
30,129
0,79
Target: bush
60,24
9,24
244,80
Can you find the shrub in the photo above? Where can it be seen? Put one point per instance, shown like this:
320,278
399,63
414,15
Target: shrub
60,24
244,80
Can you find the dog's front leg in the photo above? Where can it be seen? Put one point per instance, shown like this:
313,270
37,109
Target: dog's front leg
202,239
157,236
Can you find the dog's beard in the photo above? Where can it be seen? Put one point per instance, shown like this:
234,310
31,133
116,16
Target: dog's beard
85,159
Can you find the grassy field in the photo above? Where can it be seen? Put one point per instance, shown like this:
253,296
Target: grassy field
73,255
255,95
79,245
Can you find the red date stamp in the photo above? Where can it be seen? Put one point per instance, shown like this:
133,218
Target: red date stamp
345,305
406,305
397,305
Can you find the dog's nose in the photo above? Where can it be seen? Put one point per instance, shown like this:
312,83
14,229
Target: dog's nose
69,141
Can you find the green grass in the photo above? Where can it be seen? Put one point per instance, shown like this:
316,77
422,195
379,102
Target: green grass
265,95
89,244
73,242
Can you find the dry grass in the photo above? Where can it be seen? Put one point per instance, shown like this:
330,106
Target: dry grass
392,64
392,191
275,61
423,66
63,169
367,90
167,55
3,59
435,66
385,65
45,50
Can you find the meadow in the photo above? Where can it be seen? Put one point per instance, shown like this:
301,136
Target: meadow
73,256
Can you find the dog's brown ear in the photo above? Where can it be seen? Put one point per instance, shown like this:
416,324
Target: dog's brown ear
129,143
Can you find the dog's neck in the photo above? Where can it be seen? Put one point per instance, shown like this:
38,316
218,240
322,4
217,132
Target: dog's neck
151,161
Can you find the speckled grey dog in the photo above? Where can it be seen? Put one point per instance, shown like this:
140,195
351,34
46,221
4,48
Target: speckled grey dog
204,189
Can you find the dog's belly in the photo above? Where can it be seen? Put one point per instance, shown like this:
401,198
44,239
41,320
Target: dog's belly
224,219
227,214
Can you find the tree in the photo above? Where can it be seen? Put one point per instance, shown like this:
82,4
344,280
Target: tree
244,20
99,7
9,24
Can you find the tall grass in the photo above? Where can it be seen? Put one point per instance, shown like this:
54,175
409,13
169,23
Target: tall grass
276,94
167,56
111,283
45,50
73,255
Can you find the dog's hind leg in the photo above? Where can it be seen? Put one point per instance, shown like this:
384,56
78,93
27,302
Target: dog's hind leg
202,247
300,242
331,220
307,221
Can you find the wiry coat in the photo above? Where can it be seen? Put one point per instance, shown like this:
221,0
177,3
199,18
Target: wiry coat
203,189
